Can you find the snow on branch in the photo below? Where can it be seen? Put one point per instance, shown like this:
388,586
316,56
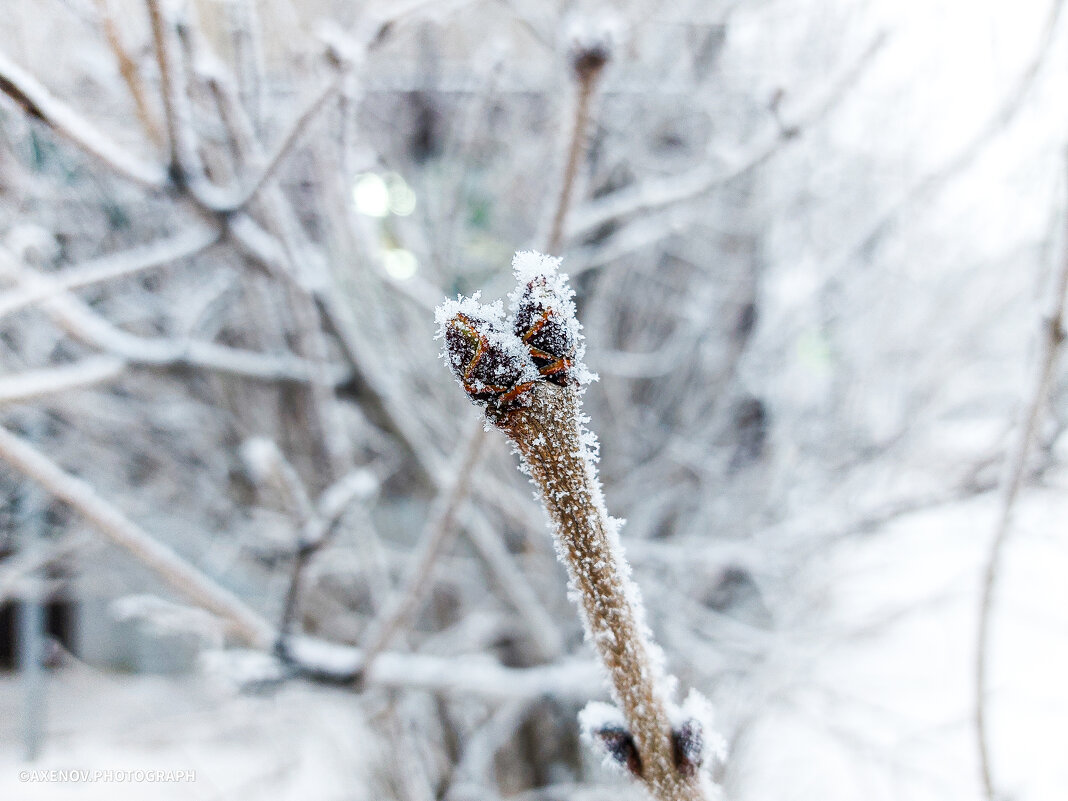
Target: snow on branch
37,102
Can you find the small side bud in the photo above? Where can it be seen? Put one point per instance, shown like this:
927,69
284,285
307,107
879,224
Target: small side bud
619,744
688,747
603,725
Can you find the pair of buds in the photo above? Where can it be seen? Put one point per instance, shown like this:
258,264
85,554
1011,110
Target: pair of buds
498,360
687,746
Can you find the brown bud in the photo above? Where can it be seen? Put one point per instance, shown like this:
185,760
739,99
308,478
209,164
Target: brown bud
590,42
493,367
688,745
547,330
620,745
589,59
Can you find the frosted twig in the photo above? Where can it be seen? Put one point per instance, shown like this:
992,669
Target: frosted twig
84,324
40,104
549,437
526,372
316,522
32,384
269,466
129,71
288,141
167,84
657,193
1053,335
108,268
475,675
435,536
181,576
474,770
514,585
248,54
588,59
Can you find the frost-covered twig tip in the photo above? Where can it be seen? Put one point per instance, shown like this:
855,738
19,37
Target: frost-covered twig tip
527,372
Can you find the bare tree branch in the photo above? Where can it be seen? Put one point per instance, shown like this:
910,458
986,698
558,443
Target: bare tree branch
167,83
85,325
118,265
130,73
317,659
184,578
657,193
40,104
433,539
33,384
285,146
1053,335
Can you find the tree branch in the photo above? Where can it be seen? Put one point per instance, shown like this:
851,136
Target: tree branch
87,326
32,384
314,659
40,104
1053,334
657,193
116,265
184,578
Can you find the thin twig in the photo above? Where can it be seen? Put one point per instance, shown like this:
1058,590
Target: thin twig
586,81
477,675
547,433
167,86
316,533
117,265
130,73
513,584
319,659
660,192
33,384
1053,335
296,130
84,324
179,574
42,105
435,536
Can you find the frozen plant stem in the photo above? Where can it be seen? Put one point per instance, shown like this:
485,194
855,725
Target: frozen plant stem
548,436
527,373
588,60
